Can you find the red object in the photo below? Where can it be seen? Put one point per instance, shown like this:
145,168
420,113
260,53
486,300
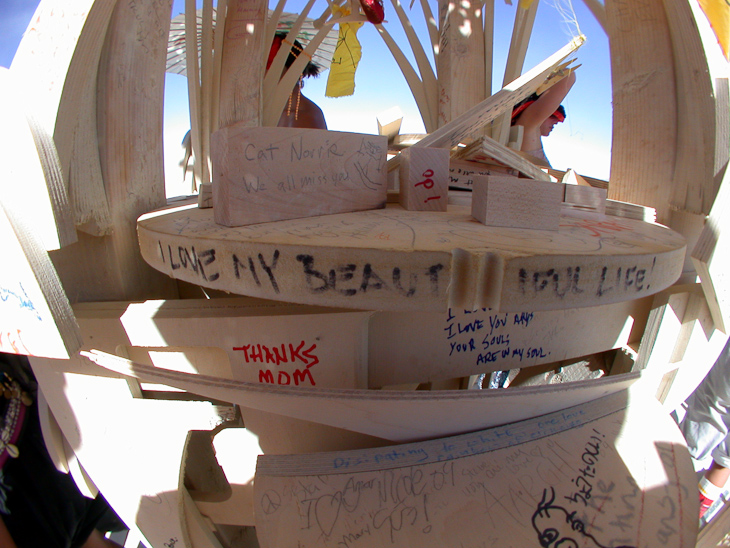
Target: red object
705,504
374,10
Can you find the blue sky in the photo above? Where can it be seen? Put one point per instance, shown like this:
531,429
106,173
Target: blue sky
582,142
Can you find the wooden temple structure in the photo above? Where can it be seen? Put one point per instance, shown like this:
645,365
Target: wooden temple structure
288,358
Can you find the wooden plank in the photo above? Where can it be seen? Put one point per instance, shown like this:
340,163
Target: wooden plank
242,63
32,180
478,116
57,62
426,346
486,149
424,179
130,151
530,480
644,142
517,203
273,174
391,259
694,184
35,315
525,13
388,414
710,259
460,61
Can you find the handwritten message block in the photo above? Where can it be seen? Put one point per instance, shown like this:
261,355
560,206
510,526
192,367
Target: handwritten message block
424,179
394,259
596,475
407,347
517,203
263,174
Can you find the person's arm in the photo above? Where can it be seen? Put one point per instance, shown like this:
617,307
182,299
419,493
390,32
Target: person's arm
546,104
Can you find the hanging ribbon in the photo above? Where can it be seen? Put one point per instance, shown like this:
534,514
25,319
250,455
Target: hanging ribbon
341,79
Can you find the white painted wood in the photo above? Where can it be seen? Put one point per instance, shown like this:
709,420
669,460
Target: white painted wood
392,415
424,179
392,259
525,484
273,174
517,203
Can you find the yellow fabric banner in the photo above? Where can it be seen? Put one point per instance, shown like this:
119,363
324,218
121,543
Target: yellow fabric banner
341,79
718,13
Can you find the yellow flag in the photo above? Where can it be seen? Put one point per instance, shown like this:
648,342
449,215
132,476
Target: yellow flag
718,13
341,79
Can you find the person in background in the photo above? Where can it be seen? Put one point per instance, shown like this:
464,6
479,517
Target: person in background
706,426
299,111
40,506
538,114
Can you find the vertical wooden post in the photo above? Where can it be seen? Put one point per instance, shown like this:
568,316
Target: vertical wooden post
242,63
644,104
460,63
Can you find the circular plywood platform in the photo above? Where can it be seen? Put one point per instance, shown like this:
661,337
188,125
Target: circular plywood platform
392,259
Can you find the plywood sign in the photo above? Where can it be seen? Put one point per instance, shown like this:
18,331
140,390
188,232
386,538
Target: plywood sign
263,174
596,475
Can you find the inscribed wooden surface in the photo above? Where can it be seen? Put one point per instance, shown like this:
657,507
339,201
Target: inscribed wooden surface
299,345
392,259
35,315
272,343
389,414
273,174
426,346
595,475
